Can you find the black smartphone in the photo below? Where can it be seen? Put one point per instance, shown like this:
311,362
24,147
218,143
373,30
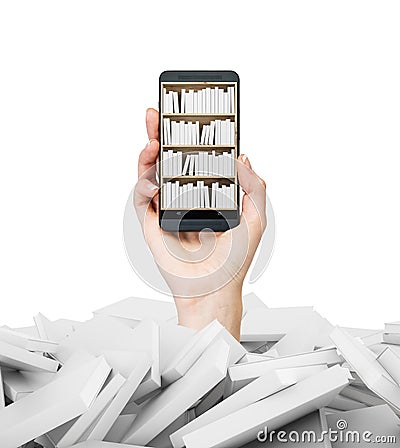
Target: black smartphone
199,145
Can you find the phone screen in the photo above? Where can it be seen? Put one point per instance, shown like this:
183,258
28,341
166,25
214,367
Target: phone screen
199,146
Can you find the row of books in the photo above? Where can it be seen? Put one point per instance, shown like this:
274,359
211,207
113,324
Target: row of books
211,100
198,195
203,163
218,132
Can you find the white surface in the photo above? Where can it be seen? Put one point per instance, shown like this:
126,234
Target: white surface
390,361
17,384
319,121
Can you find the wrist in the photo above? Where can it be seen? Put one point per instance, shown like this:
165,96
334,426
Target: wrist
225,305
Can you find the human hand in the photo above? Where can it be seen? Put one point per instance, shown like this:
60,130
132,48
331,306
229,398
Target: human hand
204,270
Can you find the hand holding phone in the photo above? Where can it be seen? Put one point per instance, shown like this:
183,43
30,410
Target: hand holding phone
204,270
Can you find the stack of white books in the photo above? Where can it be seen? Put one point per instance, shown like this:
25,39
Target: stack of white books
198,195
218,132
210,100
203,163
132,377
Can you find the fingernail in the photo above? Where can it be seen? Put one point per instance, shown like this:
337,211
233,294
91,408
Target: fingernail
244,157
153,187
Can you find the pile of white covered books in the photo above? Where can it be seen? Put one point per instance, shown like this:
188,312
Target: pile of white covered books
217,132
132,377
202,163
210,100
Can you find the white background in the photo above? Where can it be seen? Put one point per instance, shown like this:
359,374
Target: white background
320,111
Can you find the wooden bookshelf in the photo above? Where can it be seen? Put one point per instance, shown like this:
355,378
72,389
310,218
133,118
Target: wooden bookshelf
194,149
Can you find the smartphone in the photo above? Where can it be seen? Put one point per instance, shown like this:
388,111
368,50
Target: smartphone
199,145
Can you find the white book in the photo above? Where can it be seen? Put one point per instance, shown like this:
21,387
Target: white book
204,101
171,102
174,164
232,163
169,131
20,359
191,351
391,338
180,196
182,132
165,137
220,165
197,132
195,197
183,96
223,132
260,388
186,134
232,195
190,101
165,102
392,327
30,343
195,104
232,133
213,203
186,165
166,407
203,134
211,136
202,200
226,102
191,165
210,164
232,99
200,101
228,131
217,132
196,164
221,100
120,427
216,100
362,395
225,158
18,384
239,427
164,193
205,164
190,195
207,126
201,164
390,361
208,100
53,405
170,163
173,132
212,101
176,102
82,424
206,197
103,333
121,399
189,132
194,131
214,163
364,362
179,172
185,196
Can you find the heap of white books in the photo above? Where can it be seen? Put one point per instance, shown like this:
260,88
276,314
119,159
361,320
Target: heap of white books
218,132
210,100
199,195
132,377
203,163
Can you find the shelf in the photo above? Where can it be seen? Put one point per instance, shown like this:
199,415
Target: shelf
222,178
199,208
198,146
189,115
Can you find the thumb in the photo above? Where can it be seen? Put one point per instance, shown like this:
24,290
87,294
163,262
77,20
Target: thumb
254,199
